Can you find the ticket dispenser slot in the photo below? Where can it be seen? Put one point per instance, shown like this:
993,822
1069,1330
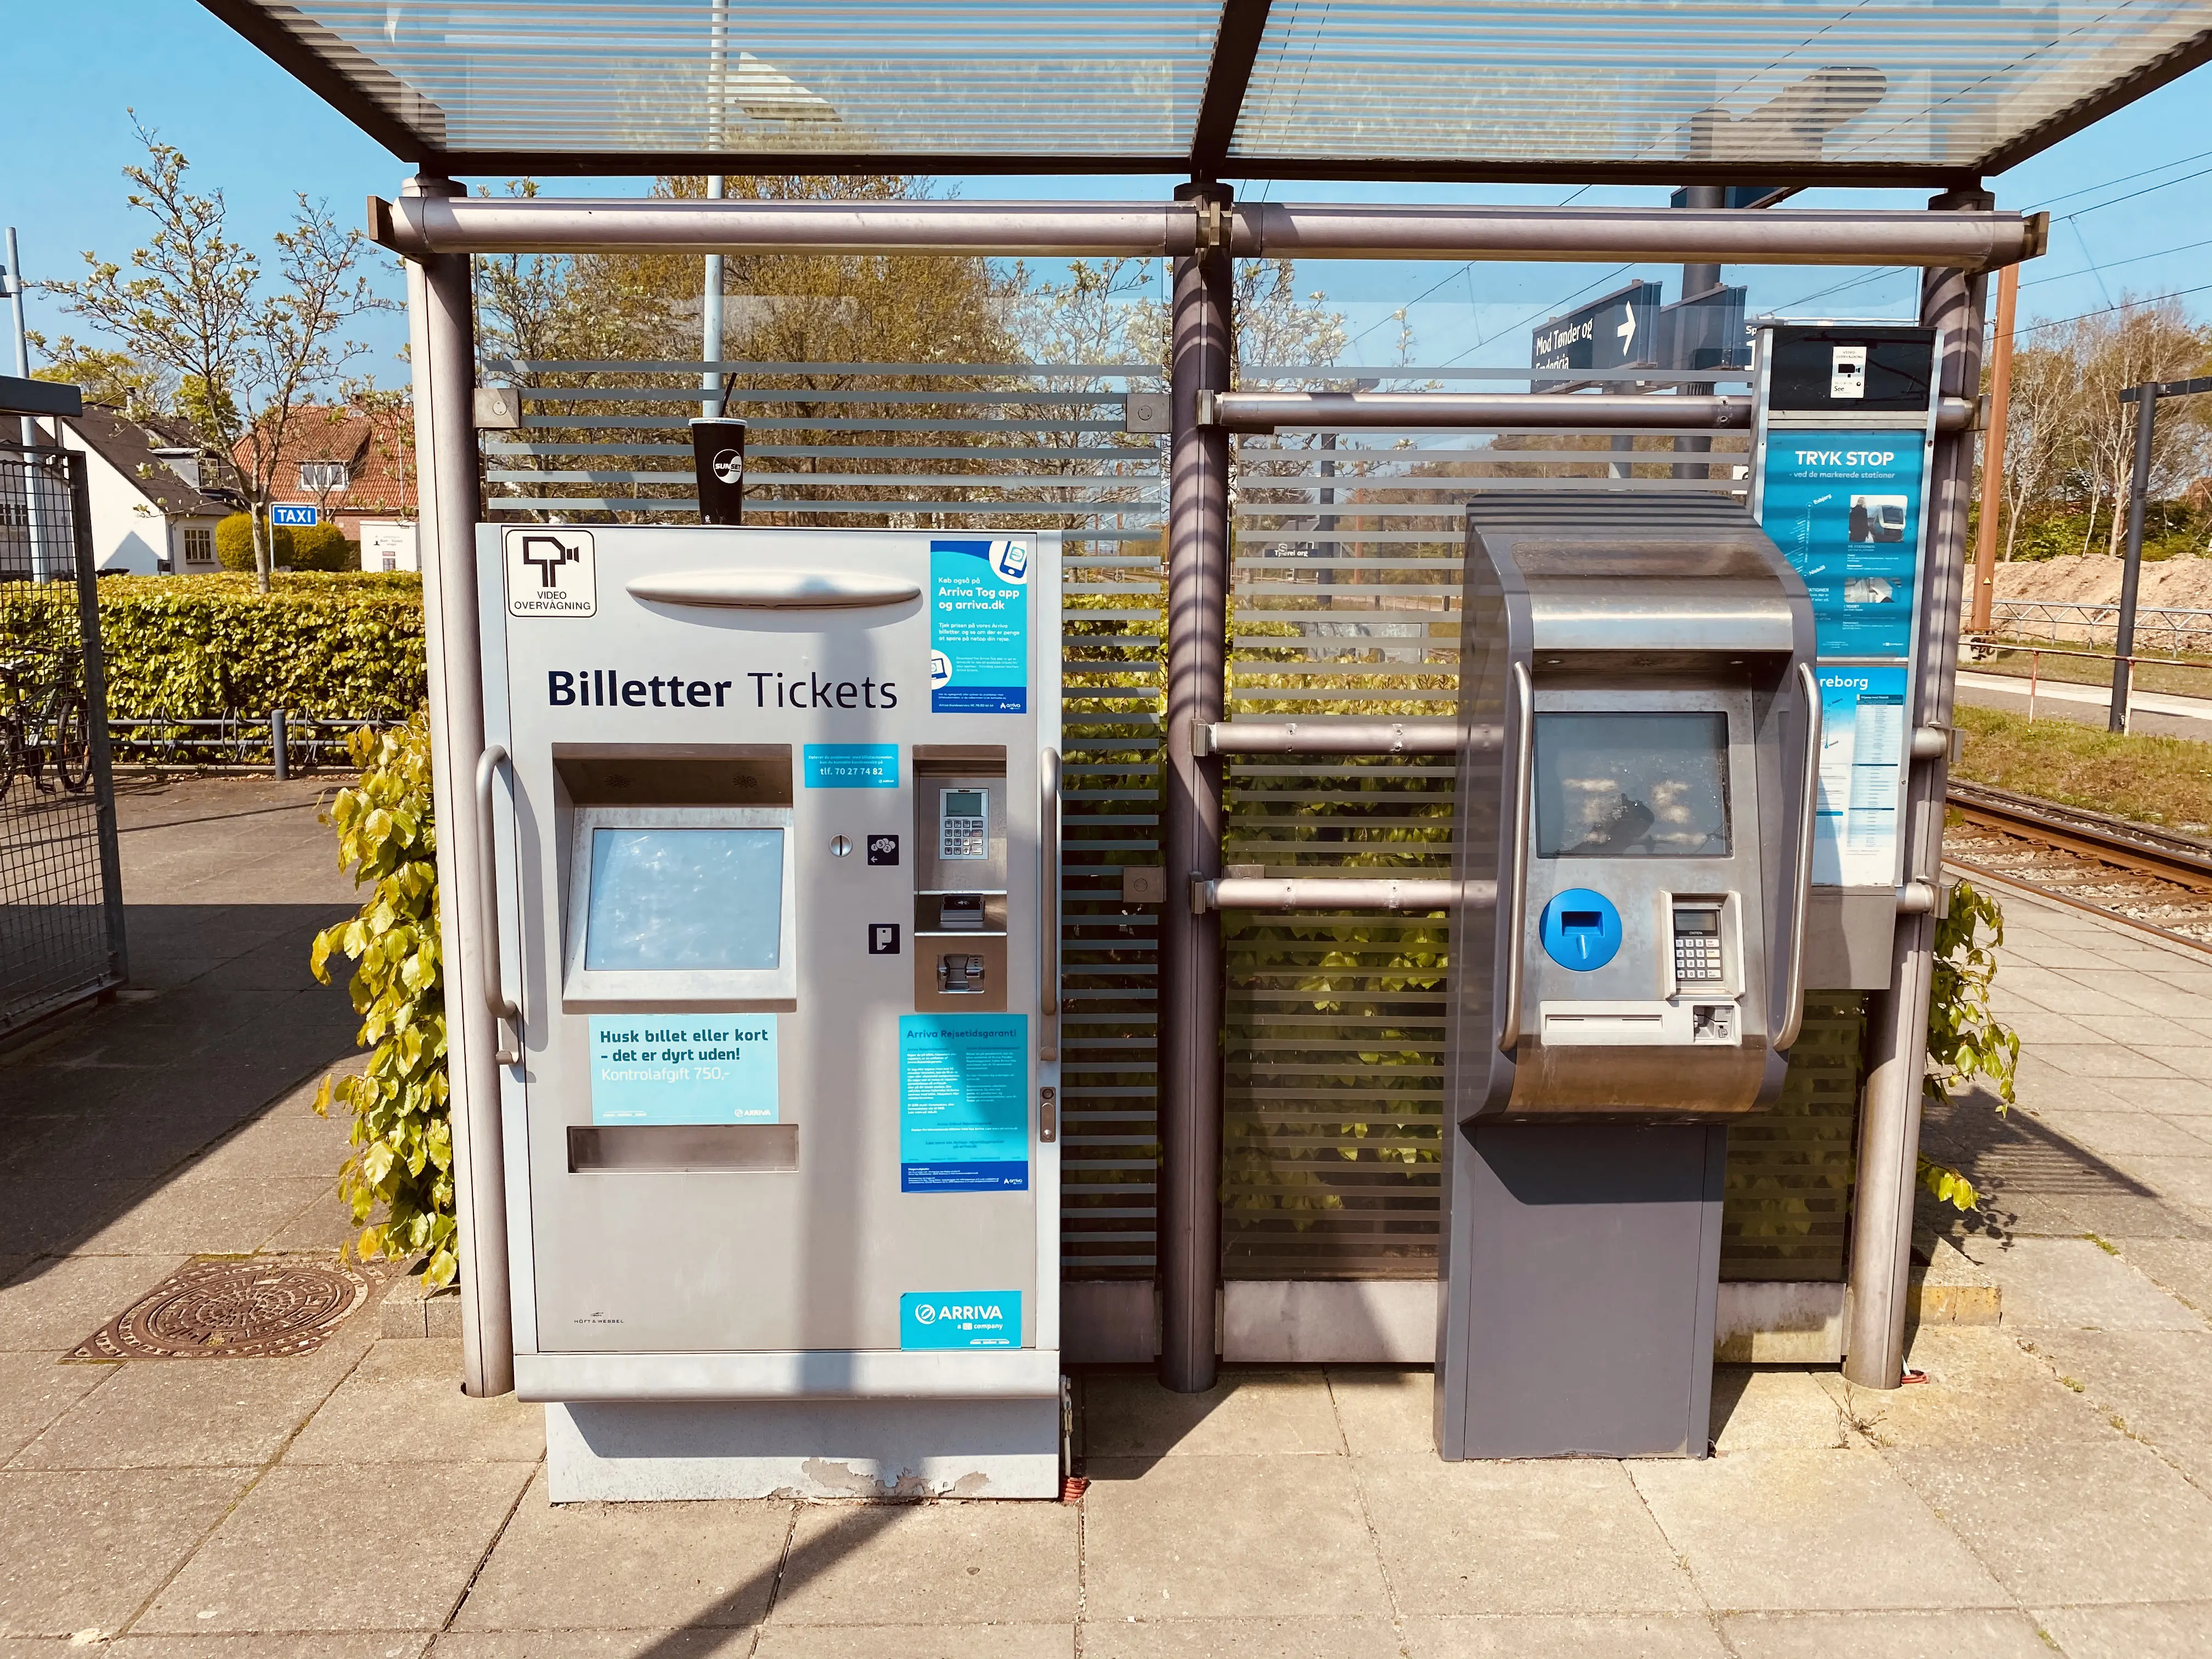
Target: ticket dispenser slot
1634,858
960,879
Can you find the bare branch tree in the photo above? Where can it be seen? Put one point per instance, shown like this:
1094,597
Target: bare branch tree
246,355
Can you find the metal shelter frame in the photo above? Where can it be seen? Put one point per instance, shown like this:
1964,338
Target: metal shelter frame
436,229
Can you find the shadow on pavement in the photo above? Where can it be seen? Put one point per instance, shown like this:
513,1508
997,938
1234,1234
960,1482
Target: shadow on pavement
220,1020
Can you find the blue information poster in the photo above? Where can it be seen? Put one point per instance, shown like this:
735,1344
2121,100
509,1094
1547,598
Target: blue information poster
672,1068
851,765
960,1319
979,627
964,1102
1845,507
1861,775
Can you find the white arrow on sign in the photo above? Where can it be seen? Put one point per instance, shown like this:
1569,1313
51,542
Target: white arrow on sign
1627,329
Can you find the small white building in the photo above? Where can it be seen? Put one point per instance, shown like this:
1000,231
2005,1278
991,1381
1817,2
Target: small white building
149,517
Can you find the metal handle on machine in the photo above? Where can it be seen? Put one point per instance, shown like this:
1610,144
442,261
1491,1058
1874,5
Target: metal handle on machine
496,998
1048,910
1515,918
1793,1009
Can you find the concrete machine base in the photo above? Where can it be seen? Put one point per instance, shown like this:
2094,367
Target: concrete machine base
633,1452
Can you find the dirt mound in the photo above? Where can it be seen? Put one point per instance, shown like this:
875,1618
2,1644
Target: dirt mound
2172,584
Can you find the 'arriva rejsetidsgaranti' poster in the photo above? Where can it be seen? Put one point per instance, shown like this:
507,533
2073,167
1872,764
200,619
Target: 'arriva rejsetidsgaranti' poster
964,1102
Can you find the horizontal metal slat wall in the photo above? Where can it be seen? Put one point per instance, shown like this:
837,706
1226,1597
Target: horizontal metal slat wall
1347,548
973,447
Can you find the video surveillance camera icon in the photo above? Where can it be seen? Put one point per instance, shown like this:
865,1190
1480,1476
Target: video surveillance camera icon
547,554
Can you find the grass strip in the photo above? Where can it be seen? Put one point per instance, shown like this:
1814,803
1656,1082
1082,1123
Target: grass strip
2165,781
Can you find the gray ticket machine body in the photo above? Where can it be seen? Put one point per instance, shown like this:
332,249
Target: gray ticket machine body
1635,815
770,814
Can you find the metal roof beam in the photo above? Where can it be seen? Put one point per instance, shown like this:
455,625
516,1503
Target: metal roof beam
1236,50
435,224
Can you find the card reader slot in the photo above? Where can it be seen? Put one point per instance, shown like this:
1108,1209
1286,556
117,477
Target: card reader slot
636,1147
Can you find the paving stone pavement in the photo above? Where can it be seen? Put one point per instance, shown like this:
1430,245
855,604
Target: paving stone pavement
2045,1490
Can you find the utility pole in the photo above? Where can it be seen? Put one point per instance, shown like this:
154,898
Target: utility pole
1993,454
2145,399
1696,279
11,283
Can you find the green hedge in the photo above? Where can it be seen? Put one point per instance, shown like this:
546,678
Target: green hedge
330,646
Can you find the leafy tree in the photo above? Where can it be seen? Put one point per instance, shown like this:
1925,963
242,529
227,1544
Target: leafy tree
247,352
114,379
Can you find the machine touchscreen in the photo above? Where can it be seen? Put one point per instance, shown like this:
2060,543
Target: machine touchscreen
684,900
1612,784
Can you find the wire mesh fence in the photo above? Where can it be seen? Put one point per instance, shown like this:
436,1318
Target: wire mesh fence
61,896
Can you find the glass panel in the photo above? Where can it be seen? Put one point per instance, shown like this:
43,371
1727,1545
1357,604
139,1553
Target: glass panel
668,901
866,77
1613,785
1924,81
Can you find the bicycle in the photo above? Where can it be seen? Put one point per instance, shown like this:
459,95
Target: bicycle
43,716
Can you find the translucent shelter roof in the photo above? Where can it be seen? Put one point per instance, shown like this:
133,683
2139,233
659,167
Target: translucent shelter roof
1827,91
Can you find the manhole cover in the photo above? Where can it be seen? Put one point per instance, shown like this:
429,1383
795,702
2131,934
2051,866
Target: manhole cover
258,1308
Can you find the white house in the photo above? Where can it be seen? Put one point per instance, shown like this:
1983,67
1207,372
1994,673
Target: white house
150,516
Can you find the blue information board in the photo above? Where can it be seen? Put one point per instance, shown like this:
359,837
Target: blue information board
683,1068
979,627
964,1102
960,1319
1845,508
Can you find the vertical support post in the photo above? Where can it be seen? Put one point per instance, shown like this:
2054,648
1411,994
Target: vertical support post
2124,647
1897,1018
1982,608
710,316
1190,1072
95,705
443,334
279,755
1696,279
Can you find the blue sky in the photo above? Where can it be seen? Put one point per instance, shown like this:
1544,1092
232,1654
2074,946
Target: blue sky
77,69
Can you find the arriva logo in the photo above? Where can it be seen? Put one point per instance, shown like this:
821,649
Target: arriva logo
928,1313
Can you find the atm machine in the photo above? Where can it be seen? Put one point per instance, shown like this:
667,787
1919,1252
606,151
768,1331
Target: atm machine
770,820
1640,746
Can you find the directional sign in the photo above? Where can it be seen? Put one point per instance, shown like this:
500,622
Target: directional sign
293,513
1618,331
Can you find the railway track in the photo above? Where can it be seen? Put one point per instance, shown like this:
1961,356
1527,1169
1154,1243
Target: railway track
2142,876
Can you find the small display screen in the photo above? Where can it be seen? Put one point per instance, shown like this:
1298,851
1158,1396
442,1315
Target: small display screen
963,803
1613,785
1696,921
676,901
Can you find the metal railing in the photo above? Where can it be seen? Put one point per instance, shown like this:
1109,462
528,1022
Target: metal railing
2059,619
281,742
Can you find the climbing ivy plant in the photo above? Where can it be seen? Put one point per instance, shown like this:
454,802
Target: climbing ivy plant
402,1156
1965,1039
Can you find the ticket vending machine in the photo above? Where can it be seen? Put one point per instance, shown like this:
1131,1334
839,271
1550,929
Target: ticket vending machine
1636,796
770,819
